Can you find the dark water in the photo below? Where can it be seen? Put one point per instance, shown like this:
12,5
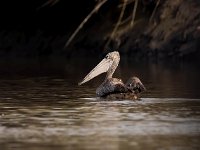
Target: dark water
47,110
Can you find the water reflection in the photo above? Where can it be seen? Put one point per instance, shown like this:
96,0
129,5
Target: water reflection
52,112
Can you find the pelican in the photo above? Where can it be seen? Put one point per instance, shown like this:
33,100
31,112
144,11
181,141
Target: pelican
114,87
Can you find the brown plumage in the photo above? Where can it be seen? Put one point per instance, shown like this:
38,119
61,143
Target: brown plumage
114,88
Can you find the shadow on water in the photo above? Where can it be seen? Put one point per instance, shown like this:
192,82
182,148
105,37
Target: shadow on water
44,108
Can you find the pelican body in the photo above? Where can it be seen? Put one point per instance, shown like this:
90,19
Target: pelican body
114,88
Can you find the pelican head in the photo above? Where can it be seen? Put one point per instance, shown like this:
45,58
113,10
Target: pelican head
108,64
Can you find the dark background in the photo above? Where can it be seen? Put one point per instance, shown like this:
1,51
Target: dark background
40,29
28,16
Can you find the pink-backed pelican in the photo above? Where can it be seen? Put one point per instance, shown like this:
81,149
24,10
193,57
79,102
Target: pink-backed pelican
114,87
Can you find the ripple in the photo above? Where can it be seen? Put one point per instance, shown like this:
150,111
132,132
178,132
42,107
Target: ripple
51,112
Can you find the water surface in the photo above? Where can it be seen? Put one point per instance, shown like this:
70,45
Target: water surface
49,110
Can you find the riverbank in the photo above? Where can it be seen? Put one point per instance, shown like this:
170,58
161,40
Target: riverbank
162,31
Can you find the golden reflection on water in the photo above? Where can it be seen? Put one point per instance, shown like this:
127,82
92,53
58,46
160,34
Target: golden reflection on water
52,112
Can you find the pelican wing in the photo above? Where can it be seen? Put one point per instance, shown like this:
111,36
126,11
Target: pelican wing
102,67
